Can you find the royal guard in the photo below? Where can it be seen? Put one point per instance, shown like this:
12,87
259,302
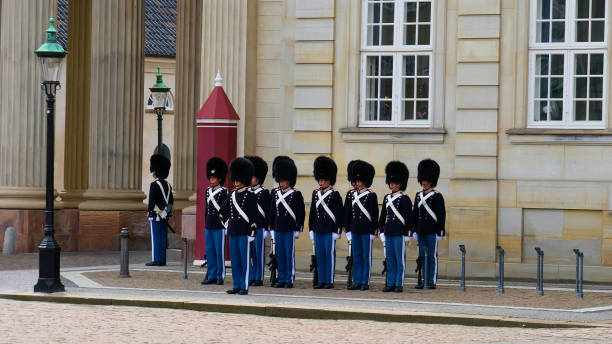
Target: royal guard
240,209
428,220
256,267
395,223
361,223
160,208
349,194
325,221
286,220
215,232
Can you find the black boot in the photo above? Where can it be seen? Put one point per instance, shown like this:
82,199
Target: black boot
233,291
388,289
354,287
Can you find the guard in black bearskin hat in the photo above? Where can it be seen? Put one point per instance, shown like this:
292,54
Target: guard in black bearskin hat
286,220
428,220
160,208
256,267
215,232
395,224
240,210
361,224
348,200
325,221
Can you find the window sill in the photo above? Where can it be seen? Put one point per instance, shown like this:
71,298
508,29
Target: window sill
538,136
392,135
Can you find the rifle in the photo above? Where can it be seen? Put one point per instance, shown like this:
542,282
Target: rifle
419,270
203,265
273,264
349,265
384,263
313,267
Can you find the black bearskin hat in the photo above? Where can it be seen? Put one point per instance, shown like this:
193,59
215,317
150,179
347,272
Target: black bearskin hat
286,170
275,162
397,172
429,170
363,171
216,167
349,170
325,168
160,165
241,170
261,168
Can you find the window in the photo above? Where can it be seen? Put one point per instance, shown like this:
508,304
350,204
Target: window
396,63
568,64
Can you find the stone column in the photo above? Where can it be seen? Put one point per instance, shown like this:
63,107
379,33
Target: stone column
187,99
22,114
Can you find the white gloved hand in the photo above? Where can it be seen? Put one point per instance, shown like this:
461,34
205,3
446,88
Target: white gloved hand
349,236
438,238
296,234
272,235
311,233
382,236
250,238
406,238
372,237
415,236
335,236
266,234
163,215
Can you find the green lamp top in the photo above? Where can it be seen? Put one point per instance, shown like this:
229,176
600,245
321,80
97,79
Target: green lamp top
51,48
159,86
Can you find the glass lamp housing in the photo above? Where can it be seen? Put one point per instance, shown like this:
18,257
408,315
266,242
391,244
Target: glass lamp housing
51,55
159,92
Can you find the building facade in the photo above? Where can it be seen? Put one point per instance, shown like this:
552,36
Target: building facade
509,96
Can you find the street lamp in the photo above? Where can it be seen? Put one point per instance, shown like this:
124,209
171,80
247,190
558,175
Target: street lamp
51,56
160,93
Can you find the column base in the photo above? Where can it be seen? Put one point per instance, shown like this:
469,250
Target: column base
23,197
107,199
182,199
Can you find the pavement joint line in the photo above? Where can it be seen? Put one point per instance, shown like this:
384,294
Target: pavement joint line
302,312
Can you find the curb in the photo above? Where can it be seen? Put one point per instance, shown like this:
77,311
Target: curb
304,312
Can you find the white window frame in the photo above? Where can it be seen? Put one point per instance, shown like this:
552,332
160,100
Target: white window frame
398,51
569,50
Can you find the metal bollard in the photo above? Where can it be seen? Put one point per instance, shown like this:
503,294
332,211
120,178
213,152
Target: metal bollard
540,270
184,257
577,253
580,286
426,268
500,282
462,249
124,270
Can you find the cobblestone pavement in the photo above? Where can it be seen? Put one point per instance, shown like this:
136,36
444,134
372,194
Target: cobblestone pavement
65,323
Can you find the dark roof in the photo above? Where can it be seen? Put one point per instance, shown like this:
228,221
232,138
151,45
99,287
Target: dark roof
160,26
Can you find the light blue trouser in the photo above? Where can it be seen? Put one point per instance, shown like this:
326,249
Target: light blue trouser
158,240
396,260
325,251
256,265
362,258
285,255
239,255
430,241
215,253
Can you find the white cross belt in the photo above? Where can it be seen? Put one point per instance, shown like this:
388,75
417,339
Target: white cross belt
238,209
281,199
392,206
211,198
424,204
357,200
320,201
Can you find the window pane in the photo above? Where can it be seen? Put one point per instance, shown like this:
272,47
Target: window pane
599,9
409,65
372,65
374,13
371,111
410,35
556,111
388,13
422,110
556,65
408,110
580,110
374,35
422,88
371,88
558,9
387,35
543,9
558,32
386,88
541,65
597,64
424,11
582,31
596,87
580,88
543,32
556,88
582,62
385,110
423,65
424,34
541,88
540,111
597,31
583,8
595,112
386,65
409,88
410,12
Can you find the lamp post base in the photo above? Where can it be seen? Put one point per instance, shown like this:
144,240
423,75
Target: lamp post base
49,270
